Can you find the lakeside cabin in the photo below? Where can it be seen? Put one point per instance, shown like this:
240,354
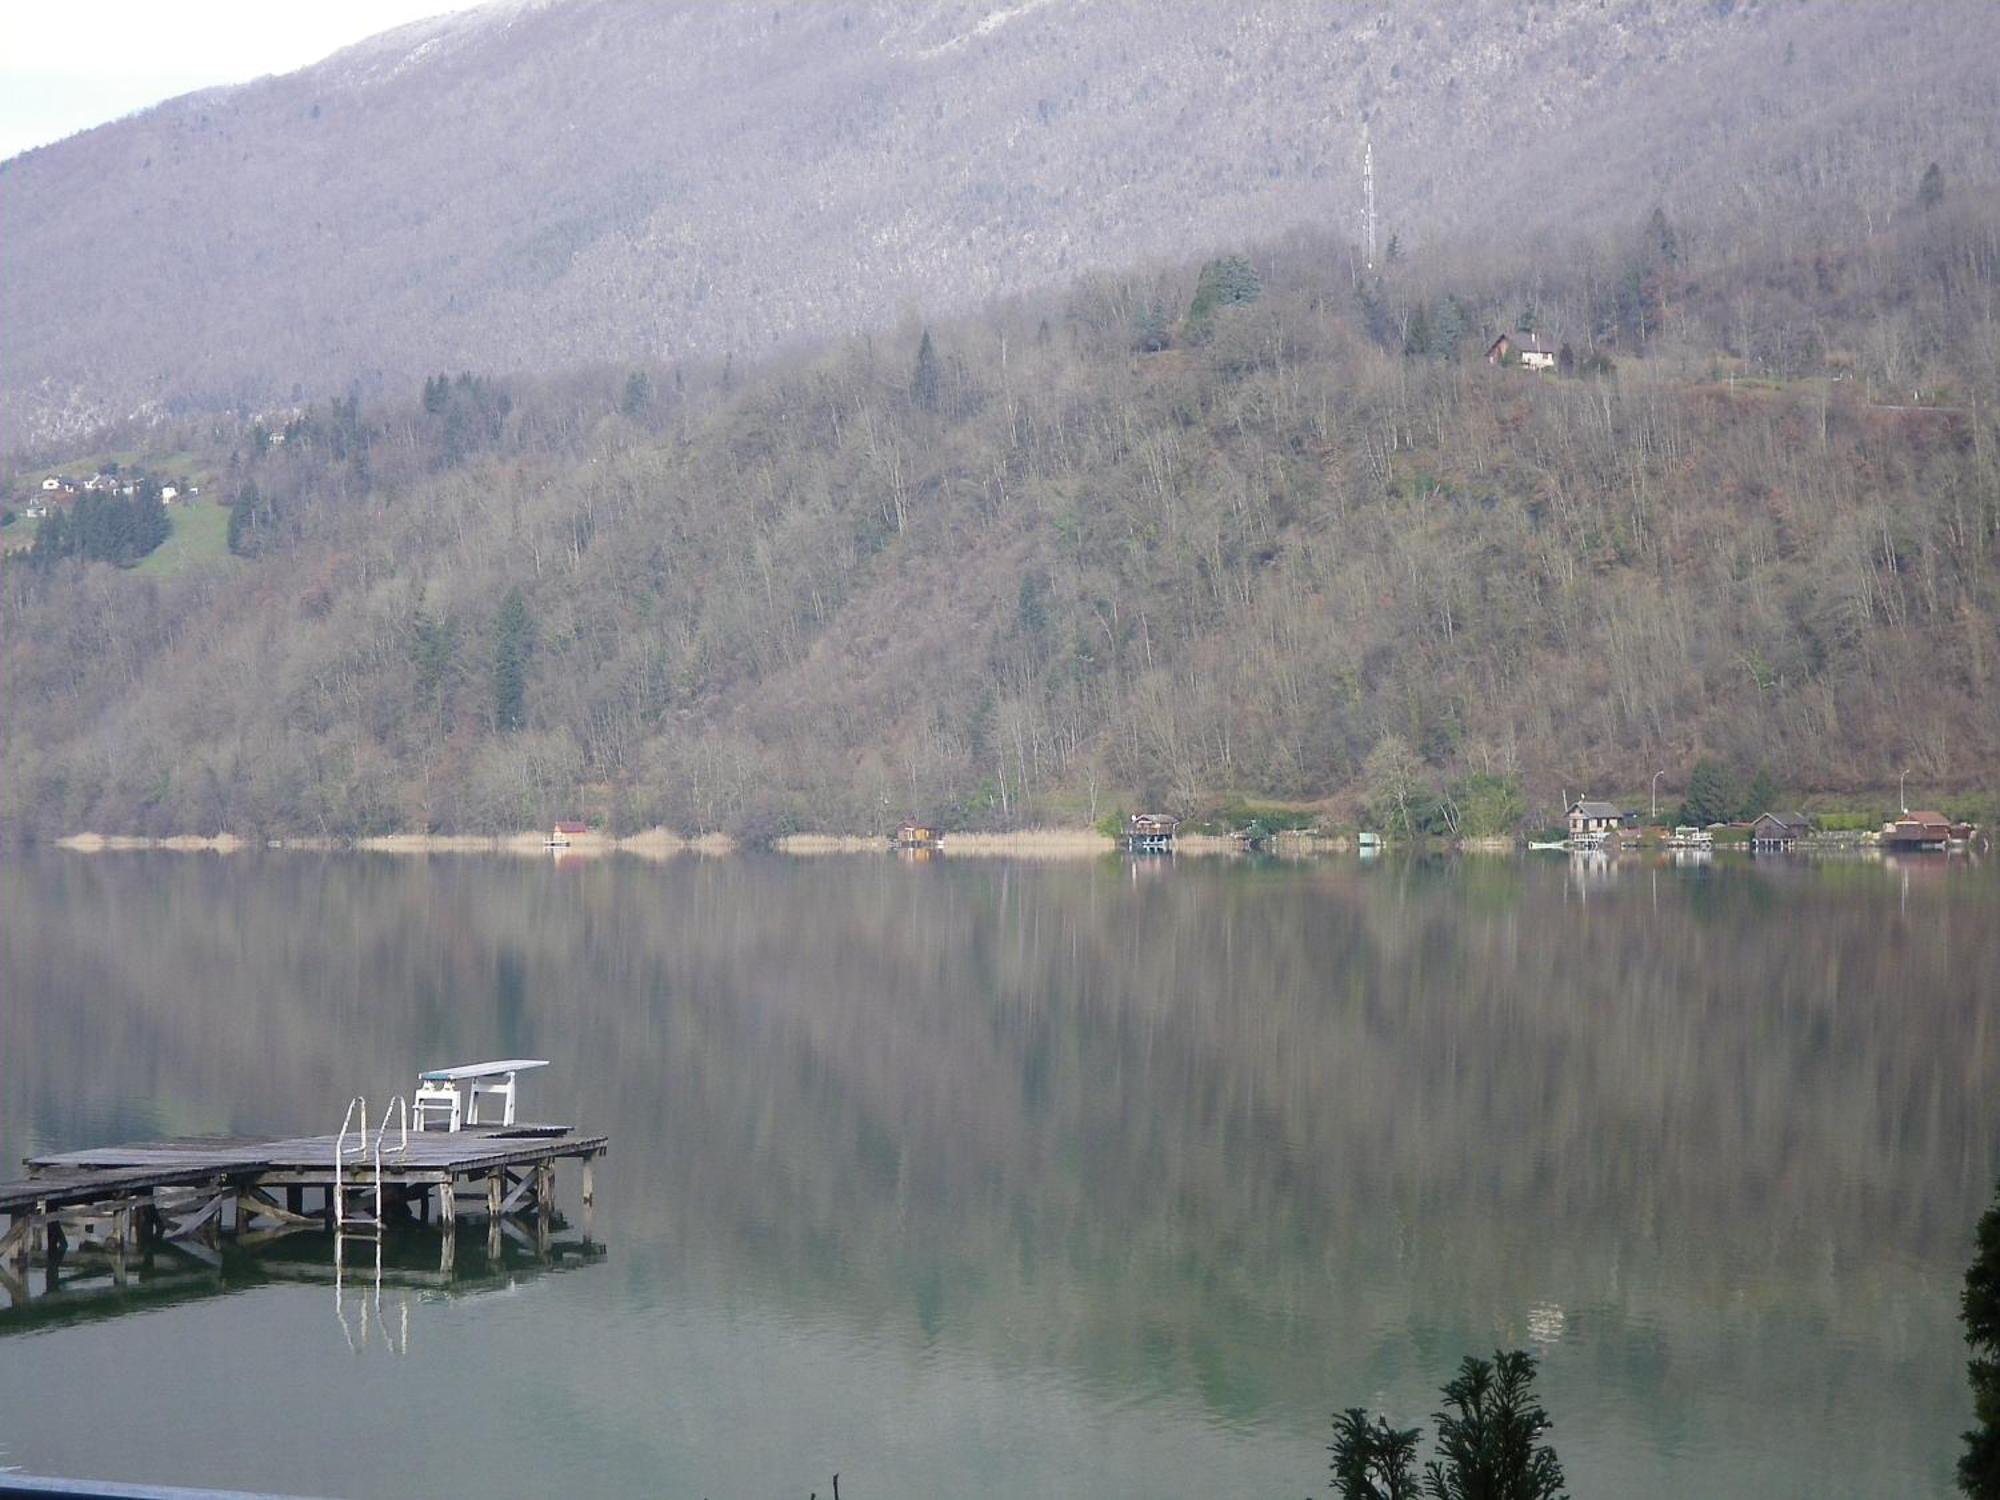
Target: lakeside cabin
1778,830
565,832
1587,818
1923,830
1151,831
914,835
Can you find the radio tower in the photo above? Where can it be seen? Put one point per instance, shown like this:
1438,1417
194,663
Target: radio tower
1368,200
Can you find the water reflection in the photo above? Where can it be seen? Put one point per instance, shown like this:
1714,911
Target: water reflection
87,1282
1214,1145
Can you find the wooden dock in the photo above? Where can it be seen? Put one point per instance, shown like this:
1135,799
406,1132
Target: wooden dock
121,1198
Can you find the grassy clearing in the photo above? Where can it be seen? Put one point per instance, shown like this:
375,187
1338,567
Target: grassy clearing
21,535
200,539
183,466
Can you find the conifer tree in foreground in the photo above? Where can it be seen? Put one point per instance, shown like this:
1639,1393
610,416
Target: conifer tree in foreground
1488,1441
1979,1464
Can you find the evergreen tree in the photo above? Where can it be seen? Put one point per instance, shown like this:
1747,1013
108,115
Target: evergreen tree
1150,332
1488,1435
638,394
1448,328
433,648
1417,340
1662,239
1635,305
924,376
151,523
104,528
52,541
1372,1460
1979,1464
1930,192
513,640
1375,313
1711,796
1762,796
250,520
1230,281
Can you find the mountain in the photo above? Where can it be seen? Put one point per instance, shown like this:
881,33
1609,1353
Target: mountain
1251,529
534,186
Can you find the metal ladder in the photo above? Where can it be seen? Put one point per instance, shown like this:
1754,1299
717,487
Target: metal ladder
347,1220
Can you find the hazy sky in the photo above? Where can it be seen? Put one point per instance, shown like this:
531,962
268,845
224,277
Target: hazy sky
66,65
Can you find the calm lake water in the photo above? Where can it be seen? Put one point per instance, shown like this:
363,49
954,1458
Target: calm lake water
981,1177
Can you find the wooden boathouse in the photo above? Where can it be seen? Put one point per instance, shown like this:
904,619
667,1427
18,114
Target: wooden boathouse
1151,832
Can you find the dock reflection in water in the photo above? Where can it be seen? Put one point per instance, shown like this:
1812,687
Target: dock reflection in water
86,1282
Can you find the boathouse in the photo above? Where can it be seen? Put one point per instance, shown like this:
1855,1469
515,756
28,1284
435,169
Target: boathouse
915,835
565,832
1587,817
1151,831
1778,830
1918,830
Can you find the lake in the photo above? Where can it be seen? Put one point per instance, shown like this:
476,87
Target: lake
973,1176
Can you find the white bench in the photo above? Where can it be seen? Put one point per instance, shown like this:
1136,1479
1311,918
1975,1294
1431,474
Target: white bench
437,1090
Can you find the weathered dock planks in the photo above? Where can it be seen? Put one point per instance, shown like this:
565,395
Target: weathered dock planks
117,1197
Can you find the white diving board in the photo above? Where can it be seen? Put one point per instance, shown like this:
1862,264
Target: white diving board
437,1090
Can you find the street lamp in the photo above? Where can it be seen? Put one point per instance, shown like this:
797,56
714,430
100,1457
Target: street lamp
1901,800
1656,792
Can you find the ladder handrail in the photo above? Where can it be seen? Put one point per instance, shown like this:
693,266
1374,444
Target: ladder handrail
395,1104
340,1155
400,1106
382,1130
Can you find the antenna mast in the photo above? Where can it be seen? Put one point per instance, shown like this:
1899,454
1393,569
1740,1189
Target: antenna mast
1368,199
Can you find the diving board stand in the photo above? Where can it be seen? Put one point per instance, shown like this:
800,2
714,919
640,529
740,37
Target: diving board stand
437,1091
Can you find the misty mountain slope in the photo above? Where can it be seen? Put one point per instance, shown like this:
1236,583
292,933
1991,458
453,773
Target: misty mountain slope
1060,557
535,186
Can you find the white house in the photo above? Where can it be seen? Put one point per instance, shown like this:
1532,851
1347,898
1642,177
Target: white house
1524,349
52,483
1588,817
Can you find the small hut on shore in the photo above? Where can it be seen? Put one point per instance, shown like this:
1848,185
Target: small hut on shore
1778,830
1921,830
1151,831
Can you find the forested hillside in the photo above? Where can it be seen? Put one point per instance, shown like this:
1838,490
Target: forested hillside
529,187
1261,526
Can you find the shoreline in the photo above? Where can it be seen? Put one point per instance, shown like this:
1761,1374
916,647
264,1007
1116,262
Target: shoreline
651,843
659,844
